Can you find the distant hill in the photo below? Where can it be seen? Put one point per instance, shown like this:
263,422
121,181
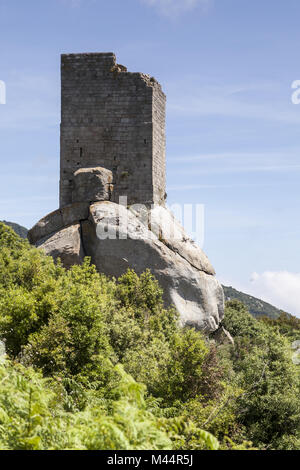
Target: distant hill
21,231
256,307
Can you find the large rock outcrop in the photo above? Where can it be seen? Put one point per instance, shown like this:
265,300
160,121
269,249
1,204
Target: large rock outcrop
117,238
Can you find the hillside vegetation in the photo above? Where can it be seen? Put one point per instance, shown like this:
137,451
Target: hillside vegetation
21,231
256,307
99,363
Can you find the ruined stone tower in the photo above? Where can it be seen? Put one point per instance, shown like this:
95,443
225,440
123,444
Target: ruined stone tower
113,119
112,145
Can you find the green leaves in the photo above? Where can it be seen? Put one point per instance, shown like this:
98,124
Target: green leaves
30,418
269,408
122,374
104,343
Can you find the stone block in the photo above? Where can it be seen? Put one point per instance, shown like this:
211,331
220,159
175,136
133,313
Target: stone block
92,184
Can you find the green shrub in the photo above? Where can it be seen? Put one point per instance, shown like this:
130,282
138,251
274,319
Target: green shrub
31,418
269,408
100,363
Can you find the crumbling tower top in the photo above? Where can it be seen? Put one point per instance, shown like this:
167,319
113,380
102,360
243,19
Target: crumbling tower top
113,119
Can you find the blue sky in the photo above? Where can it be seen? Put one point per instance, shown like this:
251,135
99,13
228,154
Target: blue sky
233,133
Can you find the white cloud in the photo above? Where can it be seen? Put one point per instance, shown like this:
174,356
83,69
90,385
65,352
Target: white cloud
174,8
280,288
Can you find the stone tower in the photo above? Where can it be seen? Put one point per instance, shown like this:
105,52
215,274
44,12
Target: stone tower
113,144
115,120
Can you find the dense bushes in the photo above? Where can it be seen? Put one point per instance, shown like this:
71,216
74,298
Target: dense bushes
286,324
98,363
269,408
31,417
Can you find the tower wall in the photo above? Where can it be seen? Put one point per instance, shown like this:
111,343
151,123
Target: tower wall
114,119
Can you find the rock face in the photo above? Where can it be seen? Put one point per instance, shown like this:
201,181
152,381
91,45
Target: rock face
222,336
64,244
57,220
117,238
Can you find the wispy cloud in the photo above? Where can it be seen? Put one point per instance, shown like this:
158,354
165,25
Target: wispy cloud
241,169
75,4
280,288
239,162
191,187
26,199
72,3
193,97
238,156
174,8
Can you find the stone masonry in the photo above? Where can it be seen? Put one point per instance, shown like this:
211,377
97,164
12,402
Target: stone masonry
113,119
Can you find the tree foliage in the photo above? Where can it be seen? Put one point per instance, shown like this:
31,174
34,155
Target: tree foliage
99,363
